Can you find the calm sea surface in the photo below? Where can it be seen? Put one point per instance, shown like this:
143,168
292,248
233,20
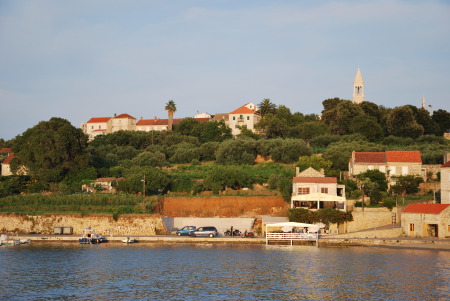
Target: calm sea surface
221,272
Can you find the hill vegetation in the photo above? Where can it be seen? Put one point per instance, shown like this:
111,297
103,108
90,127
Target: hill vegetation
195,157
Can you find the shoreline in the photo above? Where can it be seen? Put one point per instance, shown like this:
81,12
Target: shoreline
391,243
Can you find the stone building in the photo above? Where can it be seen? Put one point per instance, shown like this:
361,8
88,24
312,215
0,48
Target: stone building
358,88
445,183
426,220
391,163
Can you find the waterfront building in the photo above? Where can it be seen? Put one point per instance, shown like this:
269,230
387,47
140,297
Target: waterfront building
426,220
312,190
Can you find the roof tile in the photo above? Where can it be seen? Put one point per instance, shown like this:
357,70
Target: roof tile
403,156
425,208
315,180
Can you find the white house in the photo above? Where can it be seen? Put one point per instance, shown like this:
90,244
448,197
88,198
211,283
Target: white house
312,190
244,116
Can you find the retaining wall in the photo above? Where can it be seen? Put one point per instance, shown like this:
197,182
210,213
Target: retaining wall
104,224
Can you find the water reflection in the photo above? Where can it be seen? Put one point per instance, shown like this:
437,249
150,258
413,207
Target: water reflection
219,272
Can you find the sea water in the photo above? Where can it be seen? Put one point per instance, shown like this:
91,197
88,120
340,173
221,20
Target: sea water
221,272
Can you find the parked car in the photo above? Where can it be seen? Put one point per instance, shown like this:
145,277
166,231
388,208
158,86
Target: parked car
205,231
186,230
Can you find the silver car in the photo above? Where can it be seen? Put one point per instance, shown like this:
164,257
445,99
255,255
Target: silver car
205,231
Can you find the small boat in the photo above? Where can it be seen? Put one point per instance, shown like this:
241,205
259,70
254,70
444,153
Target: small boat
7,241
129,240
90,237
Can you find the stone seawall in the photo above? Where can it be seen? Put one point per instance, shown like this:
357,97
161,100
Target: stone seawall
127,225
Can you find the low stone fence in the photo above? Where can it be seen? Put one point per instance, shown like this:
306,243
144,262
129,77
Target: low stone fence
127,225
382,233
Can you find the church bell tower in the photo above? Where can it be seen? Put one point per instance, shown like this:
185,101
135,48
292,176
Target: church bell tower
358,88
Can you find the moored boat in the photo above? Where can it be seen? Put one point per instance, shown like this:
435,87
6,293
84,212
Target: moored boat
129,240
90,237
7,241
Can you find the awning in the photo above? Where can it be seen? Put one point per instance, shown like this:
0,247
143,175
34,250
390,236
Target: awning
317,196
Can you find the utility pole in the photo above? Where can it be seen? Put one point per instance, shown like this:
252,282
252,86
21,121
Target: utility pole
143,189
362,189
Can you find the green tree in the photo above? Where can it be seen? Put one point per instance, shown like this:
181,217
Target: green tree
367,126
315,161
186,126
266,107
401,122
51,149
156,180
212,131
442,118
309,130
406,185
236,151
430,127
170,108
340,152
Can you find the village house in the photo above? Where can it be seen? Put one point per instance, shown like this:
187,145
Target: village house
312,190
426,220
245,116
97,126
6,164
391,163
445,183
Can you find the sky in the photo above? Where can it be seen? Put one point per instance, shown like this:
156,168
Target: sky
97,58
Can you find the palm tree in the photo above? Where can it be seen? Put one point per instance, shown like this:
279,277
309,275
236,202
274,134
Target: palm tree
171,108
267,107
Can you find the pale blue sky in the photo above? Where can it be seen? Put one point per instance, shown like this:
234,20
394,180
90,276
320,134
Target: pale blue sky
92,58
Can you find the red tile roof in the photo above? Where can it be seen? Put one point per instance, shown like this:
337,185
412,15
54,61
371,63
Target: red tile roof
446,164
425,208
403,156
5,150
124,116
158,121
243,110
315,180
370,157
99,119
8,159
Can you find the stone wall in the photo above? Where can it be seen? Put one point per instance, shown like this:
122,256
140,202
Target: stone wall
104,224
370,218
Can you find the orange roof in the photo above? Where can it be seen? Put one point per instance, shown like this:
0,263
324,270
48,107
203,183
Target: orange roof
315,180
5,150
446,164
158,121
370,157
99,119
8,159
425,208
403,156
124,116
243,110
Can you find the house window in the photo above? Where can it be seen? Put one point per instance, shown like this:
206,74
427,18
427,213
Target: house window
303,190
324,190
234,117
248,117
448,228
92,127
404,170
411,227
